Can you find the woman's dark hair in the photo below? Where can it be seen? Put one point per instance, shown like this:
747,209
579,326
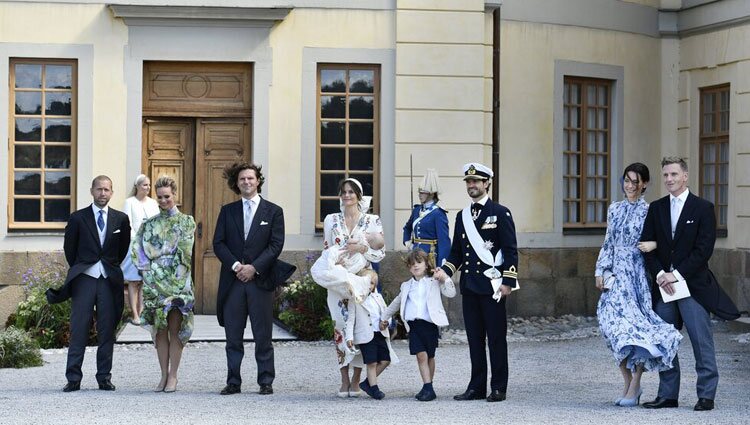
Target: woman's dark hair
641,170
418,256
232,173
354,187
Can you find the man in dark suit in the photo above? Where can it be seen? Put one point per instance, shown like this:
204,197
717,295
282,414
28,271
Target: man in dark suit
684,228
97,239
484,249
248,240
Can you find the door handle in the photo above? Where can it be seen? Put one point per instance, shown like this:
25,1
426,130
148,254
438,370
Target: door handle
199,230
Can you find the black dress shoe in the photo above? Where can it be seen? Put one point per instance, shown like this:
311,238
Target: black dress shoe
660,403
106,385
704,404
265,389
231,389
72,386
496,395
469,395
427,395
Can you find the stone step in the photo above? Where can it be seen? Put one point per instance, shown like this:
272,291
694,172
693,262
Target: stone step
205,328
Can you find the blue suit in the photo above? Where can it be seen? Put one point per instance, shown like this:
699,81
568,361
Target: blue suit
484,318
430,234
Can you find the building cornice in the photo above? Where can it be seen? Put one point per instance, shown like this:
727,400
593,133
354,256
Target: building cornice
198,15
704,17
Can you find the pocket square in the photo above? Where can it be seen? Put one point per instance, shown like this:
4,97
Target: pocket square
116,231
263,223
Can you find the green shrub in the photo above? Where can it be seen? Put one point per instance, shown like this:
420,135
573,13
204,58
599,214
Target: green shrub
302,306
18,349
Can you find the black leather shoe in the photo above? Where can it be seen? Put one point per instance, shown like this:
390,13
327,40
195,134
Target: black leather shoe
72,386
427,395
469,395
106,385
704,404
265,389
231,389
496,395
660,403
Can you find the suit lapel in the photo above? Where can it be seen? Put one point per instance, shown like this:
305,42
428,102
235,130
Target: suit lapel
110,227
238,216
687,211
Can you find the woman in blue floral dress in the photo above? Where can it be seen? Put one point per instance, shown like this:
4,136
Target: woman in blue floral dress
162,251
639,339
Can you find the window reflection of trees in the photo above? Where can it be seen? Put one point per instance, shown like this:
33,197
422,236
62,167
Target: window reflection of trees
28,183
56,210
26,210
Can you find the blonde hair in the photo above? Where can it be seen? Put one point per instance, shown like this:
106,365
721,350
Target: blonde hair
166,181
136,183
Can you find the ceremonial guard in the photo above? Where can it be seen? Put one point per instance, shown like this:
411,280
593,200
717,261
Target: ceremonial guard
484,249
427,228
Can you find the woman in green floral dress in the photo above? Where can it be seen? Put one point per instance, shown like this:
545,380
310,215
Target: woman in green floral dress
162,251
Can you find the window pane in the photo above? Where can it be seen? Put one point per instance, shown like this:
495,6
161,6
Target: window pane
28,76
57,104
724,152
724,121
28,156
573,189
566,215
575,117
723,195
566,116
332,133
573,212
708,123
574,141
601,208
590,188
709,152
361,81
366,180
709,193
591,95
601,142
602,119
361,107
724,95
708,102
332,107
602,90
57,130
575,94
56,210
723,216
332,159
709,174
58,77
601,165
28,129
601,189
360,159
591,165
329,206
361,133
57,183
724,174
590,212
29,103
591,118
26,210
57,156
573,168
591,141
332,80
329,184
27,183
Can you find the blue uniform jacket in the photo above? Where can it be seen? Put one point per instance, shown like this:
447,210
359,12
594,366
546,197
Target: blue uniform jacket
495,224
434,226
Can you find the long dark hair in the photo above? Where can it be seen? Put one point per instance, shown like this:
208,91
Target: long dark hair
641,170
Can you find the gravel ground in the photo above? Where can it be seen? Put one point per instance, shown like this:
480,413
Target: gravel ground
565,376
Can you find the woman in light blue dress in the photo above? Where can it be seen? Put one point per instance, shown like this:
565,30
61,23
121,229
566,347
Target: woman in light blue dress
639,339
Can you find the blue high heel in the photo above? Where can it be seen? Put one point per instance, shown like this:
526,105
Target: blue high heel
631,402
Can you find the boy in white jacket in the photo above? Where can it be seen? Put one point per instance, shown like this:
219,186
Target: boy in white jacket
421,309
366,329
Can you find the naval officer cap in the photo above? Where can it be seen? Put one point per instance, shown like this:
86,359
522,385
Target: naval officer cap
475,170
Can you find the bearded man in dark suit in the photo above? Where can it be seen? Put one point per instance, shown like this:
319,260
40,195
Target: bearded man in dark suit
97,239
248,240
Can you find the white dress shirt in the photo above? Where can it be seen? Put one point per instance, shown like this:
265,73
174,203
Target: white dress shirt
254,202
416,300
675,217
98,269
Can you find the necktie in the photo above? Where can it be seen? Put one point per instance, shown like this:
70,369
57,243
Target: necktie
675,213
248,217
100,220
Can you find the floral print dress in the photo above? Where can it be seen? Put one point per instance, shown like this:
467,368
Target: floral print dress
339,281
163,250
631,329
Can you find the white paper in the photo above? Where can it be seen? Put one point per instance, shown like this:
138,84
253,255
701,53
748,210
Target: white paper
680,291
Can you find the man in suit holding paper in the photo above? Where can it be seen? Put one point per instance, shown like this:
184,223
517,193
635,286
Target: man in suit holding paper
484,249
96,241
684,228
248,240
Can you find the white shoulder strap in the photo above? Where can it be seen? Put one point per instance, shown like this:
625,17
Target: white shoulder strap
476,241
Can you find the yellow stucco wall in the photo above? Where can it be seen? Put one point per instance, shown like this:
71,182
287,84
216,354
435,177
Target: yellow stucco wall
527,58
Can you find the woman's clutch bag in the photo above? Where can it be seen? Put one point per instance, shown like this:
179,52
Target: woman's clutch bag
609,279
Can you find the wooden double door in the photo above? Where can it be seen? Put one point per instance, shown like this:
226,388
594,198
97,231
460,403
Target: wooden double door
195,149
